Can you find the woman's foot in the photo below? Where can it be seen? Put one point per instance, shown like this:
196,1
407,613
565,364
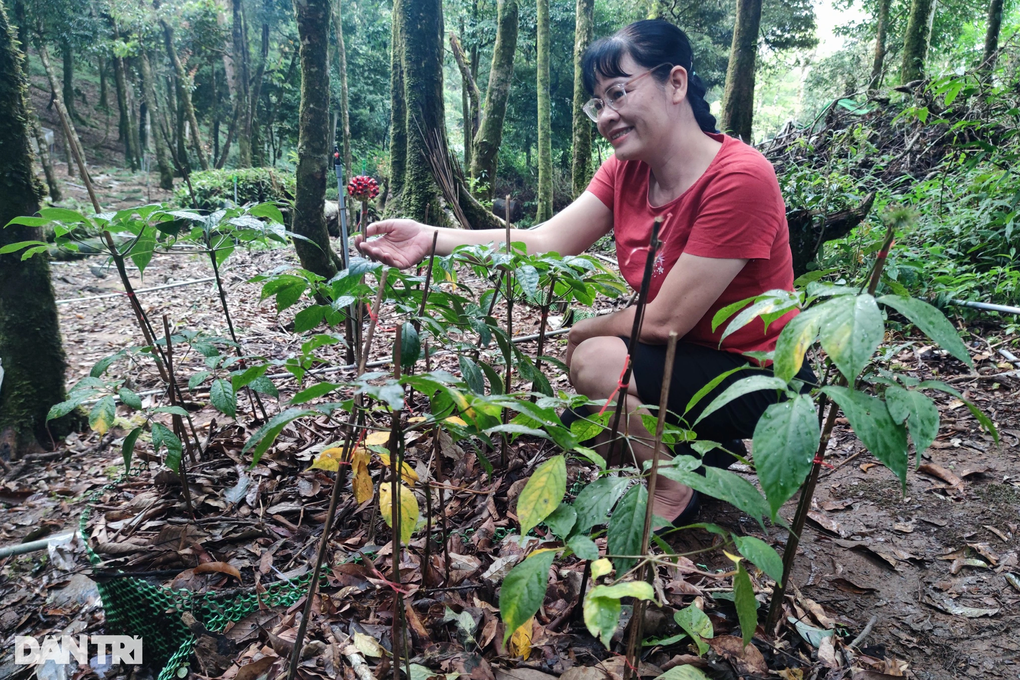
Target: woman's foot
673,501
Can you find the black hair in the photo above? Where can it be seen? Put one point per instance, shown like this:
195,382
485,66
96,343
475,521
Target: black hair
650,43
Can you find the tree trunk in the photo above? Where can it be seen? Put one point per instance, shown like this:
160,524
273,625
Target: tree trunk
70,136
159,134
469,123
67,56
880,37
258,151
184,94
580,164
992,37
313,137
738,97
545,183
30,351
44,158
398,112
490,129
421,31
915,41
345,113
242,78
127,136
104,103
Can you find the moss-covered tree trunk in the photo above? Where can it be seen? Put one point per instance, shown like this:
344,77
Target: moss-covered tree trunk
183,84
313,139
580,162
915,41
258,143
30,350
470,96
881,30
545,183
421,32
398,113
159,133
487,140
992,37
738,96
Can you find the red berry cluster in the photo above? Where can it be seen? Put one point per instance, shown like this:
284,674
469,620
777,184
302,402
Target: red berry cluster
363,188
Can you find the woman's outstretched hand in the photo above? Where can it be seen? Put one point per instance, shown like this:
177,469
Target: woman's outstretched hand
403,243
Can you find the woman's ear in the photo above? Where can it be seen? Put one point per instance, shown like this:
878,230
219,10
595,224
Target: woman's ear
678,81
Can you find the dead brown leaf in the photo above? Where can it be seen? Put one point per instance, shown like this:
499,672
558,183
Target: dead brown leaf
745,660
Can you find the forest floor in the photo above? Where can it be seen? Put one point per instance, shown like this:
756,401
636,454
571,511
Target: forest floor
931,565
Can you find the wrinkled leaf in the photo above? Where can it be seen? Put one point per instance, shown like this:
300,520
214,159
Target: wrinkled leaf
523,590
785,441
850,332
870,419
543,493
626,526
408,508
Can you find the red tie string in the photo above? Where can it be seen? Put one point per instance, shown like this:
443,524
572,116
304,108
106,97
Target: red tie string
620,385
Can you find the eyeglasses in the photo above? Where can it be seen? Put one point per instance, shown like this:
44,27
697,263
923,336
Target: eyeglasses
614,96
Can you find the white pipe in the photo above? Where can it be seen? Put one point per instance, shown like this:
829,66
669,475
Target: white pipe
32,546
986,306
139,290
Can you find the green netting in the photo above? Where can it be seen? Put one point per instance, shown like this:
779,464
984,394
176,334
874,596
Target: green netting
133,606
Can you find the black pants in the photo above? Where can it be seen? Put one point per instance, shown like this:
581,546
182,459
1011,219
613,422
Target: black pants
693,368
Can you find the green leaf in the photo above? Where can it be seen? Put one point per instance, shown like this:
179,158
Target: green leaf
173,410
850,332
626,526
871,421
932,323
223,397
770,306
100,368
729,310
410,345
162,436
495,380
696,624
15,247
523,591
472,374
711,385
601,616
29,221
63,408
785,440
761,555
268,210
722,484
542,494
128,448
308,318
527,277
141,253
62,215
918,412
984,420
561,520
240,380
641,590
263,385
584,548
685,672
595,501
129,398
313,392
752,383
267,434
747,606
794,341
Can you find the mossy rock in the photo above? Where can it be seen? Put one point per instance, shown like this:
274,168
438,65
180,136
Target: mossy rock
215,188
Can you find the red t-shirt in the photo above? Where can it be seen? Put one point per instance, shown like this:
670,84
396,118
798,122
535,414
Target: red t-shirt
735,210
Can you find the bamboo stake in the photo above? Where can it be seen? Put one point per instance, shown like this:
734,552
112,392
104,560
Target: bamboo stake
541,329
175,419
509,331
637,621
635,335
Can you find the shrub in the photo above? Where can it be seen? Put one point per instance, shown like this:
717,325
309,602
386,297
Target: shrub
214,188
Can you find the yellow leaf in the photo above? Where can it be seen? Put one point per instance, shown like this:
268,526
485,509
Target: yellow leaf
600,568
328,460
377,439
543,493
407,472
520,641
416,419
368,645
456,421
735,558
408,509
362,480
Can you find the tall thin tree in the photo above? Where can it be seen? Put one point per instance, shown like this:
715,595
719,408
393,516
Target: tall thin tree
882,27
580,162
398,113
545,181
738,95
345,113
991,52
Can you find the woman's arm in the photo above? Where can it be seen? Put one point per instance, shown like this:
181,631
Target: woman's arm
403,243
691,287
